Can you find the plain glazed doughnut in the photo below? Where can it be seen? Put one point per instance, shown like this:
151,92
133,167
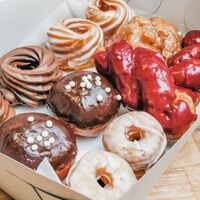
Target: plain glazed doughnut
137,137
101,175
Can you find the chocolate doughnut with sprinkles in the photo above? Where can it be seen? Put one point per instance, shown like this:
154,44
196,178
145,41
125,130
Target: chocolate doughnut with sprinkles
86,100
30,137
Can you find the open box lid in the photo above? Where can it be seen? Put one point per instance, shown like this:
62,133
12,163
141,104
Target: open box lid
27,23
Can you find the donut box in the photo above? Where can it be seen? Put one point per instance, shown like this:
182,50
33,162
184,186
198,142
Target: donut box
26,23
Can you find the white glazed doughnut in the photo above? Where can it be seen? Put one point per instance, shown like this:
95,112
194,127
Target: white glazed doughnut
101,175
75,40
109,15
137,137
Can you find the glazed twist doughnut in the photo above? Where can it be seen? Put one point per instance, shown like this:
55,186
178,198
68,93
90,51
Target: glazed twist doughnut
137,137
6,111
75,41
109,14
30,73
157,34
150,85
101,175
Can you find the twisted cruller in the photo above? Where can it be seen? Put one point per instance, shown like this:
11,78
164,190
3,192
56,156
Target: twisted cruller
29,72
6,111
109,15
75,41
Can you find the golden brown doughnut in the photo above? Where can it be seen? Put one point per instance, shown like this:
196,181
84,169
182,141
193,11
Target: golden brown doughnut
155,33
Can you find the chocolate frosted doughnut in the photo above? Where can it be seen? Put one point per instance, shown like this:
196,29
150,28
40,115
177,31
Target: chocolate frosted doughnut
29,138
29,72
6,111
86,100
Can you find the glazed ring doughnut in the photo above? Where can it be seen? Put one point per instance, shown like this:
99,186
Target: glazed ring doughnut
101,175
137,137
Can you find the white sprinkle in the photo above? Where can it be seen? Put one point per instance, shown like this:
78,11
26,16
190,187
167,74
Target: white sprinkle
82,84
99,98
86,81
119,97
72,83
49,124
30,119
45,133
34,147
68,87
98,83
39,138
47,143
30,140
108,90
52,140
89,77
88,85
84,78
97,78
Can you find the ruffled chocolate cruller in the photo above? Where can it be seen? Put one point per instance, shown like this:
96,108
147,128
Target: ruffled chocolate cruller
6,111
29,72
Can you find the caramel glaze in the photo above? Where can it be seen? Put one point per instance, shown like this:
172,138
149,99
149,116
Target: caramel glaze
80,106
14,134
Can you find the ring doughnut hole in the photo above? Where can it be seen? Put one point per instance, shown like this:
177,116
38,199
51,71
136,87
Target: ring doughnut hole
104,178
134,133
28,63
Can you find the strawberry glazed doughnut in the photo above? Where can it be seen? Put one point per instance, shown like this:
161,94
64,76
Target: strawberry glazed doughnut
137,137
29,72
109,15
74,42
101,175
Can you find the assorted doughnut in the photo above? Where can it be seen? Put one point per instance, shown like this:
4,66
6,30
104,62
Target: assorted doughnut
101,175
109,15
29,138
86,100
74,42
6,111
144,63
137,137
155,33
29,72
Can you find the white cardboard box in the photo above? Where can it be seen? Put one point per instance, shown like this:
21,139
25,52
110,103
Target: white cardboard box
25,22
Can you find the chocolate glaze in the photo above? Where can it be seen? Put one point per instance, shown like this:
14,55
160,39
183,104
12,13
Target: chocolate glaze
29,72
14,134
80,106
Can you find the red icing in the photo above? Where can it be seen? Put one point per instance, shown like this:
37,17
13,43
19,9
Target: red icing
144,81
192,37
185,67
